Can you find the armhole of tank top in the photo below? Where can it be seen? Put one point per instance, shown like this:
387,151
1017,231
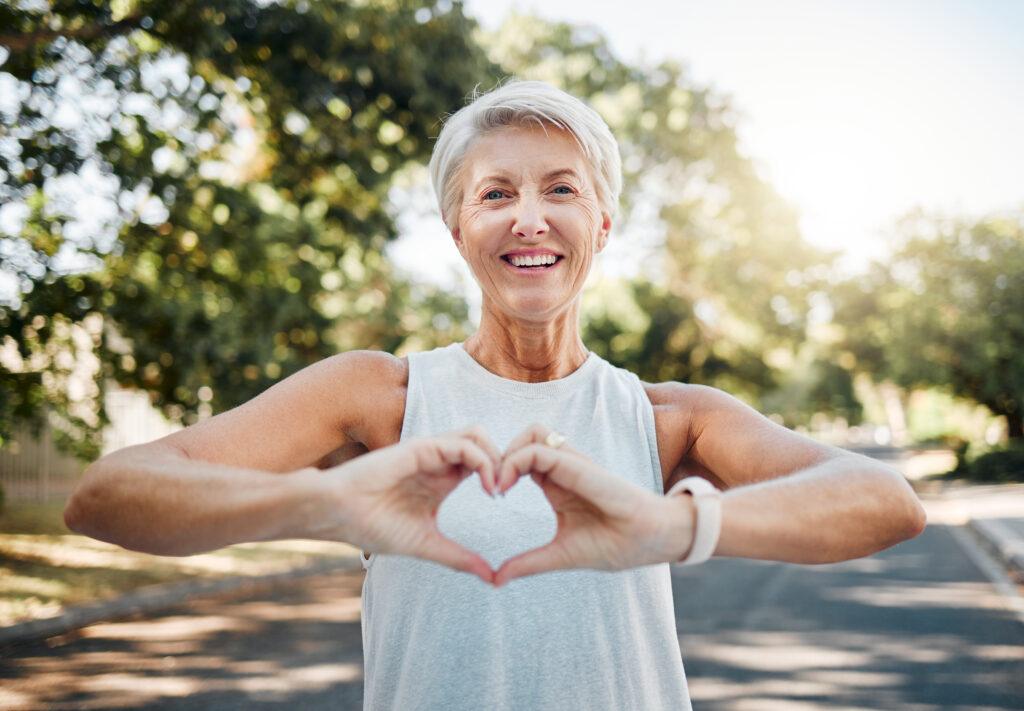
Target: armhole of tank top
651,431
367,559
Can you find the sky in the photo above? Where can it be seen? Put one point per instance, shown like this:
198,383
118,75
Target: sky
855,111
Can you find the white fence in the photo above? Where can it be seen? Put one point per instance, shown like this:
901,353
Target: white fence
34,470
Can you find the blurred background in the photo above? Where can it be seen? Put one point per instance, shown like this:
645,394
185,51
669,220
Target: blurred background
823,214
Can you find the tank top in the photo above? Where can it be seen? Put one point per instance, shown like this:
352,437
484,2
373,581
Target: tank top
436,638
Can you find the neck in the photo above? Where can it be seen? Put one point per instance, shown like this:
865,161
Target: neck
528,351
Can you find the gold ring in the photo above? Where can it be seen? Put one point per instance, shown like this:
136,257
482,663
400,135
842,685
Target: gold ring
554,440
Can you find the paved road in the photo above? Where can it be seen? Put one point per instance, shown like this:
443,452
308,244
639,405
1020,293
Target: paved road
914,627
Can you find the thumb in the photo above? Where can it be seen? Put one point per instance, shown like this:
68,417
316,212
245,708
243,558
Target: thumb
441,549
538,560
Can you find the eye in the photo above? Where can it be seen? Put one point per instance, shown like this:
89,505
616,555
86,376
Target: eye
569,191
493,195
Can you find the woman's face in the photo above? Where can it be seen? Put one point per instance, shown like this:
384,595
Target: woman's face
528,195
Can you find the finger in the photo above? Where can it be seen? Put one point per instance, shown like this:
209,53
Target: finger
440,453
445,551
534,434
539,560
478,435
575,473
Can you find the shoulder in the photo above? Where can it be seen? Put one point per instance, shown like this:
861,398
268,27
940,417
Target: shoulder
690,406
688,397
375,385
718,436
384,367
680,413
675,402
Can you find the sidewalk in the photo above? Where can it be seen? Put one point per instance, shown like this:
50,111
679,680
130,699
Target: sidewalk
152,598
992,513
160,596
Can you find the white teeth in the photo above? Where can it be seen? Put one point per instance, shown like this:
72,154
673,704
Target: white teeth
533,261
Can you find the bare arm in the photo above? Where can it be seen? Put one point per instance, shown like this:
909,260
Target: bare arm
245,475
156,500
787,497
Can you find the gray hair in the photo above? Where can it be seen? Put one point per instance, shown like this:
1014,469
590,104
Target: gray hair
517,103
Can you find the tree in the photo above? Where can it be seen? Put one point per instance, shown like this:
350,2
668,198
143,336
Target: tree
200,189
945,311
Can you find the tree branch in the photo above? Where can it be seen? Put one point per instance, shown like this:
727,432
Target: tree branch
24,41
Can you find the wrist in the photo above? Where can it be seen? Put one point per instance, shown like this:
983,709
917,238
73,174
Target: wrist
682,526
315,500
706,508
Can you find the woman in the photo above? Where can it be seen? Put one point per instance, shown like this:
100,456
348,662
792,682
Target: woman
516,453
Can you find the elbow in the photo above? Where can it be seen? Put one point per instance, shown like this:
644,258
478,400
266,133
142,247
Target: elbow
895,515
905,516
88,511
916,520
911,513
71,515
904,520
76,510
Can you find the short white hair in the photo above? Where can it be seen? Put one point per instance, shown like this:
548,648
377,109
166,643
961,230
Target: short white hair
514,104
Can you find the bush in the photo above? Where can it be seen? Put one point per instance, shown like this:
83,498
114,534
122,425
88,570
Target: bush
997,465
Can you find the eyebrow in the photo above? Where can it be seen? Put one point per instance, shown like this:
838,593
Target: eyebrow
504,177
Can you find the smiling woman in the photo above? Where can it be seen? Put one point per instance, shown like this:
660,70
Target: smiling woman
529,209
509,492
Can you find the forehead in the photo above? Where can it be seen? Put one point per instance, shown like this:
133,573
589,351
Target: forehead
523,153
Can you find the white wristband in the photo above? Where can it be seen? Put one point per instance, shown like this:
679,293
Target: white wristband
708,501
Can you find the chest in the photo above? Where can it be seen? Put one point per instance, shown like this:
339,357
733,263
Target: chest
672,426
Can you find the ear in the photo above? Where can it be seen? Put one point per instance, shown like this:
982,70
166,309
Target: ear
457,238
606,228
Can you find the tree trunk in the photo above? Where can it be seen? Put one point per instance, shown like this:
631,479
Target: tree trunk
1015,425
895,413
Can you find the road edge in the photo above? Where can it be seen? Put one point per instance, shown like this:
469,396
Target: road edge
1002,543
152,598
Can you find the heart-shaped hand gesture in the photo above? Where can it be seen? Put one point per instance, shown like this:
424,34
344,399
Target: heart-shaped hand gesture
391,496
604,521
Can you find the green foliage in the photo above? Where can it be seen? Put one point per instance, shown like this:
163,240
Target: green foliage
995,466
815,385
235,158
239,155
945,311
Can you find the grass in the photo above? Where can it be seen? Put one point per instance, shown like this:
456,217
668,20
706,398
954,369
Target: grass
45,567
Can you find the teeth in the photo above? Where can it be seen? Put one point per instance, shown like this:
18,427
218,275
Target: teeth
533,261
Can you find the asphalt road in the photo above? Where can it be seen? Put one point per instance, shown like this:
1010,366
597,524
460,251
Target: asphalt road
918,626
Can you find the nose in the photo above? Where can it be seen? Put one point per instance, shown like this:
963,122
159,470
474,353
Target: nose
529,221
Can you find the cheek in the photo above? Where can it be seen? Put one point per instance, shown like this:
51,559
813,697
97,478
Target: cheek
479,221
582,222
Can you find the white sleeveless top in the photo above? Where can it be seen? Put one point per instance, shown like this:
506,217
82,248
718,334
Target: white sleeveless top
435,638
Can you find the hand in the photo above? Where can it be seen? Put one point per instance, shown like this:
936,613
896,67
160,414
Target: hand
604,521
392,494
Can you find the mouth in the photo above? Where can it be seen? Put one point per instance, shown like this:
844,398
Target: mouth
532,267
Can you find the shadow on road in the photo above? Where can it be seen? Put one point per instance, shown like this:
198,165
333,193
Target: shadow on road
915,627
